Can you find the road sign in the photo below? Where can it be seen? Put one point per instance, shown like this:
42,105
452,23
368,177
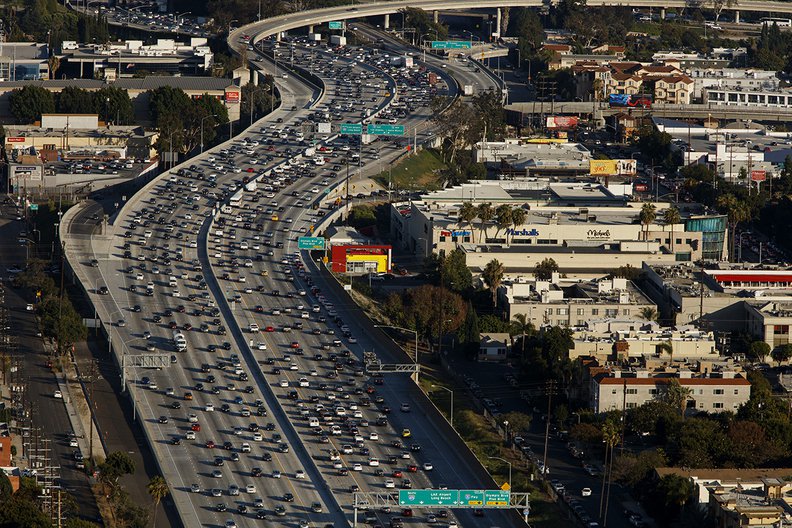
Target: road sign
506,486
385,130
451,44
34,207
335,25
496,498
351,128
428,497
310,243
471,497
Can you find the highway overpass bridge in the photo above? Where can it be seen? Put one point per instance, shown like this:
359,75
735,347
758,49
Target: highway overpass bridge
690,111
271,26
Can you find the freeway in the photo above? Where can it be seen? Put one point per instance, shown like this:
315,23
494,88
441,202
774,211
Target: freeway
165,209
283,23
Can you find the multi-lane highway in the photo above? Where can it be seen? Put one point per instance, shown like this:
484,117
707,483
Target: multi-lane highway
212,273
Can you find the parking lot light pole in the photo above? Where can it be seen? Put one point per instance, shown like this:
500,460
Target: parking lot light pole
451,392
510,468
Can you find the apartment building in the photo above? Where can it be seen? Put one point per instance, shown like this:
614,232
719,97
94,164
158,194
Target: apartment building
614,387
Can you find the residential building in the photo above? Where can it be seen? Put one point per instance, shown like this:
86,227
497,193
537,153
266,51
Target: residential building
612,387
494,347
733,78
619,339
568,303
673,89
738,96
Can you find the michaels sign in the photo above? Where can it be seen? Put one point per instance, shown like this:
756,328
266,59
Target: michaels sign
522,232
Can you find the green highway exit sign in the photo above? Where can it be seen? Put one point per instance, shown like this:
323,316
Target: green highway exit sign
385,130
451,44
428,497
351,128
336,25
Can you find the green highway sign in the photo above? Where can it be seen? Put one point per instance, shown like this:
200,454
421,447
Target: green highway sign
336,25
385,130
451,44
496,498
428,497
311,243
471,498
352,128
34,207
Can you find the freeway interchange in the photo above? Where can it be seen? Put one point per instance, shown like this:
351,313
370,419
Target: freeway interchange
267,417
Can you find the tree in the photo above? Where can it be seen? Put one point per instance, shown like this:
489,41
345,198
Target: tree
114,103
782,354
719,5
493,275
503,219
736,211
626,272
544,270
518,216
492,324
649,313
671,217
675,490
467,213
73,100
647,216
5,488
485,213
22,512
167,101
759,350
518,422
456,274
30,102
115,466
468,334
677,395
520,325
666,348
433,310
361,216
158,489
258,100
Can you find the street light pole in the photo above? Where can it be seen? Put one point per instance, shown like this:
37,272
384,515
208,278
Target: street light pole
202,123
510,468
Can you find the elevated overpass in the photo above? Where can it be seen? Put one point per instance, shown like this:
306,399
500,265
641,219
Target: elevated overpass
271,26
690,111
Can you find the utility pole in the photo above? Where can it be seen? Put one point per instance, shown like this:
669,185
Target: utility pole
549,391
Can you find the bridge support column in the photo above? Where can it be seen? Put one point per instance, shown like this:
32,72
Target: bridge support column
498,21
736,16
662,13
386,22
436,16
310,29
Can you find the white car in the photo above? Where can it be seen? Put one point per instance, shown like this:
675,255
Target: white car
193,418
585,492
57,394
209,407
428,466
253,327
250,488
284,383
261,346
374,462
390,483
299,474
357,467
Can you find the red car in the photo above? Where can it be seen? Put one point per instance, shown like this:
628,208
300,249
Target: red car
407,512
412,468
250,169
259,309
210,444
269,329
196,427
397,473
295,344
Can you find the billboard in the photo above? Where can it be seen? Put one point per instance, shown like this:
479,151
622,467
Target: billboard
758,175
562,122
620,167
232,97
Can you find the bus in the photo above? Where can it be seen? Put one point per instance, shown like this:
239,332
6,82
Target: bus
630,101
780,22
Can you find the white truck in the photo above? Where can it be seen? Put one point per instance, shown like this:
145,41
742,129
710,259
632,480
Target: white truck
179,341
338,40
309,152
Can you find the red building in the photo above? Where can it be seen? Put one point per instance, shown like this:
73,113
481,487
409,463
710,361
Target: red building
361,259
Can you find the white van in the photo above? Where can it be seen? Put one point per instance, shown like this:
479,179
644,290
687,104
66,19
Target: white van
172,282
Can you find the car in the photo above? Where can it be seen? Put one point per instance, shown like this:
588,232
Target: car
585,492
276,474
250,488
406,433
288,497
217,474
220,507
299,474
279,510
57,395
405,407
427,466
230,523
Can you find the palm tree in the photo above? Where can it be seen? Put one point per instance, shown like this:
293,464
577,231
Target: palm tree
677,395
467,213
158,489
518,216
736,211
671,217
503,218
649,313
647,216
493,275
611,434
668,348
522,326
485,214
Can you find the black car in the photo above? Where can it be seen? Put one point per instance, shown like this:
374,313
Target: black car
242,508
261,514
267,457
288,497
220,507
255,472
